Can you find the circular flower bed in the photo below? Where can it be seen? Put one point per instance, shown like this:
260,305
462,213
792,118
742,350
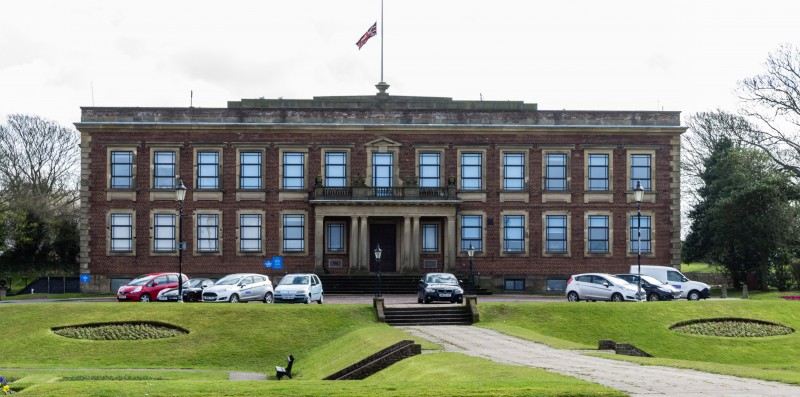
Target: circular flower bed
132,330
731,327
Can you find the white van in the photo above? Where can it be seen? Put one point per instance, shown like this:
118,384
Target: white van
691,290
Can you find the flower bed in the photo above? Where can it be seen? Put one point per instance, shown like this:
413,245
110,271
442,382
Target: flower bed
121,331
732,327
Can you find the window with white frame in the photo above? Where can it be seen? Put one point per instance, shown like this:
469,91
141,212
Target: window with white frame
641,170
430,237
556,234
250,232
597,234
122,169
471,171
513,233
335,169
294,170
429,169
121,238
250,170
472,232
555,178
164,170
293,233
207,233
335,237
640,225
513,171
208,170
164,233
598,172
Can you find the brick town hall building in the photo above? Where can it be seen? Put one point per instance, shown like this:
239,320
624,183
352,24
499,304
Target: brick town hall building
539,194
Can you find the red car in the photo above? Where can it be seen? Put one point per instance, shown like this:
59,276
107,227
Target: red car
146,288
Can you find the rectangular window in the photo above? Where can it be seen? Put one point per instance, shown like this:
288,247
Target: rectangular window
598,172
250,170
293,233
642,226
250,232
513,171
640,170
513,233
208,170
164,170
294,170
471,171
514,284
335,169
207,233
598,233
555,177
121,233
472,232
336,237
556,234
429,170
164,233
430,237
122,170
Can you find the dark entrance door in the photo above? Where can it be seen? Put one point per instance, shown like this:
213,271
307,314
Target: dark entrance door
384,234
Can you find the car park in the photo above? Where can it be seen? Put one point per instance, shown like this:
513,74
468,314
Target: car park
599,287
192,291
440,287
299,287
691,290
240,287
655,290
145,288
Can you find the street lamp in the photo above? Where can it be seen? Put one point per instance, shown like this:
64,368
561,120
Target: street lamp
180,194
638,194
471,253
378,253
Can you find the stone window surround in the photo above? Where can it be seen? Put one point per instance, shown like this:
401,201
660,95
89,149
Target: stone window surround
207,194
304,213
161,211
482,252
163,194
631,151
292,194
220,235
324,150
384,146
251,194
562,196
123,211
239,251
568,252
586,252
471,195
122,194
425,149
526,233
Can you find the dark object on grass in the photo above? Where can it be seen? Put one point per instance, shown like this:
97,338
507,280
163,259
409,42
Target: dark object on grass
280,372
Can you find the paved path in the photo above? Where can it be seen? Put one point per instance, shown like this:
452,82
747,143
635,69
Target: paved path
632,378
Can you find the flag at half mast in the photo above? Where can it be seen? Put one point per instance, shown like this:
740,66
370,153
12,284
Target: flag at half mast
372,31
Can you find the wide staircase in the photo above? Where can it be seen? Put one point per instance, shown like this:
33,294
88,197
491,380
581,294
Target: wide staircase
361,284
433,314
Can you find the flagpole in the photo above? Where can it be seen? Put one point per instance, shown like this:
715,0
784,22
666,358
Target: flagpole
382,28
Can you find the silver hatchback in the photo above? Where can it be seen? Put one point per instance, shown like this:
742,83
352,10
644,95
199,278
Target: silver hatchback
599,287
240,287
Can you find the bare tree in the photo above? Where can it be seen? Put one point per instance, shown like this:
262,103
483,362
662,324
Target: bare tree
38,162
772,100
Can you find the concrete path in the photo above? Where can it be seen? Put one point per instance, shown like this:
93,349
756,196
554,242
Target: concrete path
634,379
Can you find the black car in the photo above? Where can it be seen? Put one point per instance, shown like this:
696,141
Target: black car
440,287
192,291
655,290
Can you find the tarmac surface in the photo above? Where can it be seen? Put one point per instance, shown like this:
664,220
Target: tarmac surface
632,378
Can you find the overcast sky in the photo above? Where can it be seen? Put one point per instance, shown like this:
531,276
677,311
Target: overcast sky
56,56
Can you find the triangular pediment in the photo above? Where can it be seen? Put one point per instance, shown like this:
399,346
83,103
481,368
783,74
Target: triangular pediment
383,142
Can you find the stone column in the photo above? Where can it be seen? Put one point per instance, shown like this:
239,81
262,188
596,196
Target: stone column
363,252
415,243
319,242
450,244
354,239
406,258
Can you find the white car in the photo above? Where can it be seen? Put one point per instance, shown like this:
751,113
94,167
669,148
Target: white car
691,290
599,287
240,287
299,287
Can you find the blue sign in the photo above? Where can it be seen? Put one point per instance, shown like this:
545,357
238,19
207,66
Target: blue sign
267,263
277,262
85,278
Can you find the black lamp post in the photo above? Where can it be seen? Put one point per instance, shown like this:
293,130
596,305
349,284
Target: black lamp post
180,194
378,253
471,254
638,194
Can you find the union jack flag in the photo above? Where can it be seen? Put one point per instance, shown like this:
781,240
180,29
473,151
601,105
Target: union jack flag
372,31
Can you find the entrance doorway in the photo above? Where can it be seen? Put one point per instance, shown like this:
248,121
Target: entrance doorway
384,234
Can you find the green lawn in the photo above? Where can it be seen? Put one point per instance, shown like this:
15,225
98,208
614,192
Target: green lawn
698,267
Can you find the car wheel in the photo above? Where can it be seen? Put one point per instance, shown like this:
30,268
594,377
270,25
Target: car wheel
460,300
616,298
653,297
572,296
145,298
268,298
320,299
191,298
419,300
427,300
693,295
234,298
308,299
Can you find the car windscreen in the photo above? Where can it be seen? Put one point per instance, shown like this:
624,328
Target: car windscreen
294,280
616,280
140,280
652,280
228,280
443,279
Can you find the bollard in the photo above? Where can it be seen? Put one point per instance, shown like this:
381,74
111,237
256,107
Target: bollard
724,291
744,292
